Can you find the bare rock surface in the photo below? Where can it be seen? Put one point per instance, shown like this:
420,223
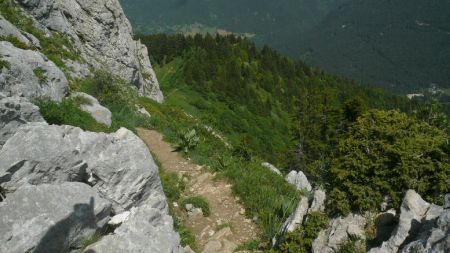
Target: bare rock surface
118,165
30,74
91,105
296,219
50,218
103,35
15,112
299,180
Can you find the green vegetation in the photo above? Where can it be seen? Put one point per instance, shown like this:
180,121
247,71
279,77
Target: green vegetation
4,64
197,202
384,154
225,225
187,141
40,73
16,42
354,245
300,240
68,112
249,246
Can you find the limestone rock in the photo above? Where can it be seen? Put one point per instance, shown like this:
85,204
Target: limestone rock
119,219
50,218
119,165
149,228
100,113
318,204
414,213
14,112
272,168
299,180
103,35
339,232
296,219
30,74
219,243
7,29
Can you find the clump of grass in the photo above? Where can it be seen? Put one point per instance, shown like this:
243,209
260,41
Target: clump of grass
15,41
40,73
4,64
186,235
249,246
198,202
172,185
68,112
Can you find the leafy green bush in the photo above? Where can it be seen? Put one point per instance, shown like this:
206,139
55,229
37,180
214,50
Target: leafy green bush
300,240
198,202
68,112
385,154
187,141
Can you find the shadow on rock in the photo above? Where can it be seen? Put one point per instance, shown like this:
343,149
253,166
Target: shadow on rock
61,237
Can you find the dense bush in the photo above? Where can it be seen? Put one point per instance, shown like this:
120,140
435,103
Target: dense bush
384,154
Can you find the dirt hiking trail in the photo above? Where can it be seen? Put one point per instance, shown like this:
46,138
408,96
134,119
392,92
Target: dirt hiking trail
226,227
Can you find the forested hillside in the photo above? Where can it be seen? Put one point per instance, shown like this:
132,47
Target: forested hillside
398,45
361,144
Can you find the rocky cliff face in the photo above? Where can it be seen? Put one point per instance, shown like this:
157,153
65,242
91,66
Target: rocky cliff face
102,35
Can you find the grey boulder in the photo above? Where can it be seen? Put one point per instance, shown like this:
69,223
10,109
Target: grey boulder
318,204
339,232
103,36
148,228
15,112
414,213
91,105
50,218
118,165
30,74
299,180
295,220
272,168
7,29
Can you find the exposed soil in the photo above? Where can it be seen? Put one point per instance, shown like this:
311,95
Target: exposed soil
225,208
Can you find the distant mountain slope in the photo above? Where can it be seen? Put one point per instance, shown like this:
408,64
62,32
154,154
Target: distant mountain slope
403,45
277,23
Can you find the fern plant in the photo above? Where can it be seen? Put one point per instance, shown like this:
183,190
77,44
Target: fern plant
187,141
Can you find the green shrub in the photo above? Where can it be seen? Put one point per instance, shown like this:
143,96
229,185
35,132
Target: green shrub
198,202
68,112
4,64
353,245
187,141
16,42
172,185
40,73
249,246
300,240
385,154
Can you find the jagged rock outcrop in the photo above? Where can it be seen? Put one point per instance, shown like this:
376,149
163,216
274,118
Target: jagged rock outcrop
299,180
50,218
7,29
414,214
91,105
103,35
29,73
148,228
15,112
318,203
272,168
296,219
339,232
119,165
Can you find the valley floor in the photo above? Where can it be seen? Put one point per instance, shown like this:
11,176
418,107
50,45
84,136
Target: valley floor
226,227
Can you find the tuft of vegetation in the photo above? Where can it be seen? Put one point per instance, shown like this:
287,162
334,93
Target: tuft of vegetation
187,141
68,112
300,240
40,73
4,64
197,202
225,225
252,245
15,41
353,245
172,185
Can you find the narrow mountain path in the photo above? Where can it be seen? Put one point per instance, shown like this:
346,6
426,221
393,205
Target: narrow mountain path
227,226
